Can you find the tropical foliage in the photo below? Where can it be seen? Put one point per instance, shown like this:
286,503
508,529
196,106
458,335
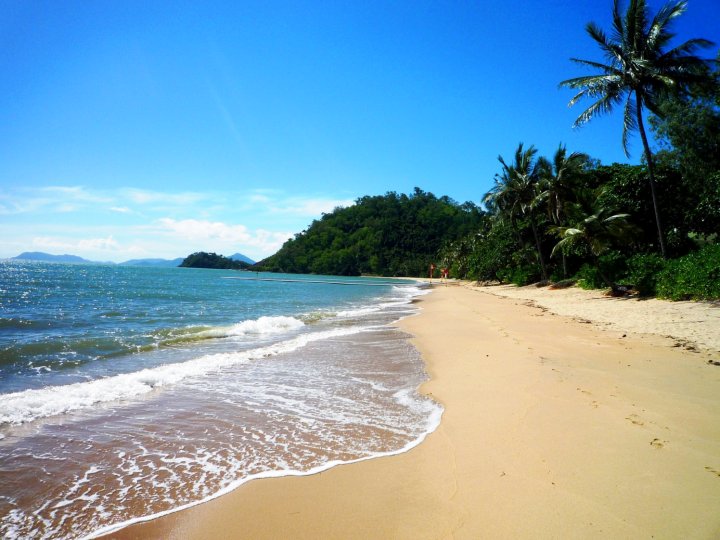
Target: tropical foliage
641,71
212,260
568,216
600,223
391,234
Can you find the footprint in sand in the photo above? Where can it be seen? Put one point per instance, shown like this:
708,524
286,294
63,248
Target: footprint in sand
635,419
657,443
713,471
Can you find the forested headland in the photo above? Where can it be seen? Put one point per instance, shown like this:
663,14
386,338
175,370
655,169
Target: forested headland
390,235
202,259
652,227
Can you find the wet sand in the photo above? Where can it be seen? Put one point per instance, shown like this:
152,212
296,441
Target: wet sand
553,428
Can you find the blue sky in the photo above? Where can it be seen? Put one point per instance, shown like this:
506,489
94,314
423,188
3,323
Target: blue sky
134,129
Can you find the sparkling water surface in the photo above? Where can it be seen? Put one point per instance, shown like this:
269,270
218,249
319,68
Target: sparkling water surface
130,391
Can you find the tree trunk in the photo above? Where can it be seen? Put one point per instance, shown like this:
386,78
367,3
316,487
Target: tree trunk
615,289
543,271
651,172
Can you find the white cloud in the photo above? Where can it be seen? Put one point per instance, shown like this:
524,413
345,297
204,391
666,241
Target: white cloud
49,199
124,223
259,198
80,245
142,196
74,193
309,207
218,236
102,244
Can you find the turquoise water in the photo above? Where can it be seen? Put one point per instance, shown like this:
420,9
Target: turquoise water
128,392
62,323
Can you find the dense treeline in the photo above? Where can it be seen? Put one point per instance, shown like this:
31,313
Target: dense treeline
391,235
567,217
654,226
202,259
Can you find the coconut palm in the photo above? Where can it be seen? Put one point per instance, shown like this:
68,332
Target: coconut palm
559,180
515,193
640,71
596,226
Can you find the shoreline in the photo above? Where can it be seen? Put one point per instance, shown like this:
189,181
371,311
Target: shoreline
552,428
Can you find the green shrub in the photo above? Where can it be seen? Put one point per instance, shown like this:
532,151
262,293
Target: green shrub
695,276
612,265
519,275
643,272
588,277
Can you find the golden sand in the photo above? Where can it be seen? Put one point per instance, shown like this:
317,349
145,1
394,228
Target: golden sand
553,428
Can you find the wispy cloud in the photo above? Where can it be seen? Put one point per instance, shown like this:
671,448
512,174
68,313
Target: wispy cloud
62,199
142,196
75,193
309,207
123,223
224,236
81,245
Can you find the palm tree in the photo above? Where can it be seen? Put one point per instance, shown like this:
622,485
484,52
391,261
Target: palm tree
639,71
596,226
515,193
559,180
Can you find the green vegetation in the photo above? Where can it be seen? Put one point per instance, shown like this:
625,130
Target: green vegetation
640,72
695,276
212,260
572,217
391,234
569,217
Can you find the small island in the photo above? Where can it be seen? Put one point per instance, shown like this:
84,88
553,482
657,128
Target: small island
202,259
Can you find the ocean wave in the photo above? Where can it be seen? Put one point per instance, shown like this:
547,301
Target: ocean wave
29,405
22,324
261,326
435,412
412,290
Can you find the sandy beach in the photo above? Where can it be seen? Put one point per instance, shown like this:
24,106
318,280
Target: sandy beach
567,415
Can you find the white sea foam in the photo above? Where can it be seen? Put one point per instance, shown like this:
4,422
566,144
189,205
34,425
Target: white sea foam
358,312
407,293
433,421
261,326
29,405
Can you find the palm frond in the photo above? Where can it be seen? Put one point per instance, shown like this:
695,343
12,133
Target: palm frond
618,27
608,70
602,106
637,63
685,52
629,122
658,34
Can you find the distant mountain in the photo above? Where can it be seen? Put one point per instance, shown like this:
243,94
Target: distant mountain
242,258
153,262
47,257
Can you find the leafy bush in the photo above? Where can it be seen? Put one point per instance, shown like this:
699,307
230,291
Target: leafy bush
695,276
588,277
643,272
524,275
612,266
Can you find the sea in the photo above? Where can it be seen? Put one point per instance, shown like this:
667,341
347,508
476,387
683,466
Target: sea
127,393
